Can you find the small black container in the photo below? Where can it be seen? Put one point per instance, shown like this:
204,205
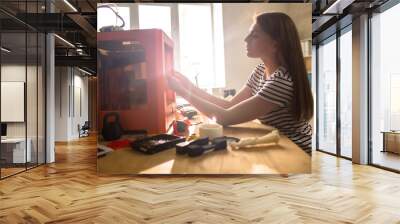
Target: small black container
182,148
157,143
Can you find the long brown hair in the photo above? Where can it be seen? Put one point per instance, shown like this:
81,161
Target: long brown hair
282,29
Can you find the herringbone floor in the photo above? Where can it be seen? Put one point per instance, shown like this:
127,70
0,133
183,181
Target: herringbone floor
70,191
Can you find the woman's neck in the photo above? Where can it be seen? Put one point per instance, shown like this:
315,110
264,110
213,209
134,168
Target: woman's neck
270,66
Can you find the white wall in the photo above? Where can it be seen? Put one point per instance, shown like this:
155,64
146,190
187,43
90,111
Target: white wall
80,83
33,127
17,73
301,15
13,72
68,83
61,103
237,20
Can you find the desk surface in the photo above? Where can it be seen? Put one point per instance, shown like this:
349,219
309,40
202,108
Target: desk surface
282,158
391,132
13,140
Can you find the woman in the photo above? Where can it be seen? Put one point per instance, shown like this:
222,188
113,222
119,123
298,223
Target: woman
277,91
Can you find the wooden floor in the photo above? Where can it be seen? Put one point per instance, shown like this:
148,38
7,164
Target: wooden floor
386,159
70,191
10,171
5,172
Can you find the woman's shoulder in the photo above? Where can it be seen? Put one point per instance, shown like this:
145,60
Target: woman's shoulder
257,72
259,69
255,76
261,65
283,73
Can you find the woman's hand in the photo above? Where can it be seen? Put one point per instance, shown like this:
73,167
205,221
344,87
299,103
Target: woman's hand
183,79
177,85
180,84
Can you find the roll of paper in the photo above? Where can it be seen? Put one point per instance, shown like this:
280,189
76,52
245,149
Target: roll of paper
210,130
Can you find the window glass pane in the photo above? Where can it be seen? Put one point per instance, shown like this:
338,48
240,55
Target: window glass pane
385,84
154,16
314,91
106,17
327,96
31,97
346,94
219,46
41,98
14,153
195,26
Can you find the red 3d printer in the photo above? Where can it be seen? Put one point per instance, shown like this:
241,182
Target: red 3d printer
132,66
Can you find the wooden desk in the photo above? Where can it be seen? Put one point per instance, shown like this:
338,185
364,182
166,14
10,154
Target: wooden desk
13,150
391,141
284,158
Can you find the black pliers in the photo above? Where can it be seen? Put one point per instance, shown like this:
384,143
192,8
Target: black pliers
200,146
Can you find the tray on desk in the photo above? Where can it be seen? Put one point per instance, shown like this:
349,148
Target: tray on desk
157,143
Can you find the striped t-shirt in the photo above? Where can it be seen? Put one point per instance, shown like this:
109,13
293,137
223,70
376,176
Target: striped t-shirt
278,89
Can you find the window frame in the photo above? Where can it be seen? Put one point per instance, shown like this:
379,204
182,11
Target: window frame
333,37
381,9
220,82
27,29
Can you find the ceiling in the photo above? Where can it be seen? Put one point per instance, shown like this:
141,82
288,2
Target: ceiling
76,25
79,26
331,15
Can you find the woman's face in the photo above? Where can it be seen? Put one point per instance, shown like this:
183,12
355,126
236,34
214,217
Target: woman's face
259,44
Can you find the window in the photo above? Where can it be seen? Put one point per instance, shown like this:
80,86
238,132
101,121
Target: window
346,93
108,18
154,16
385,85
219,56
198,38
22,65
327,96
394,101
195,27
199,51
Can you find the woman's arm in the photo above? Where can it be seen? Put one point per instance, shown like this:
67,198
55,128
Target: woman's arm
247,110
243,94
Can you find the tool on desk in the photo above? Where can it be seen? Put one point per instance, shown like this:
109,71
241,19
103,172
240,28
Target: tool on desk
157,143
112,129
227,138
191,137
203,145
272,137
103,150
198,150
119,144
183,147
188,111
181,127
